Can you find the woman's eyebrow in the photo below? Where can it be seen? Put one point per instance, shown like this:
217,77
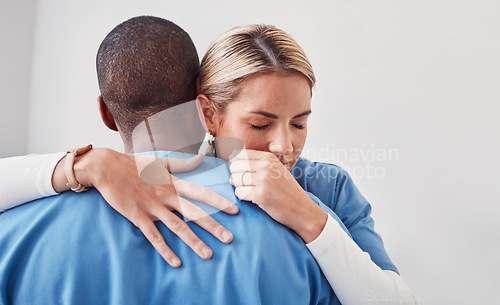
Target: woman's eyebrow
274,116
266,114
303,114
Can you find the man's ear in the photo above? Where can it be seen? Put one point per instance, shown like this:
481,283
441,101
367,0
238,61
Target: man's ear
206,113
106,116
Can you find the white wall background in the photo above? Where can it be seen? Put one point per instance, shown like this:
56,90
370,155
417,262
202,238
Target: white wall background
407,99
17,21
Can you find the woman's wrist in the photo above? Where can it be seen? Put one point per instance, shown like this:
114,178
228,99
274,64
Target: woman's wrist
87,169
311,223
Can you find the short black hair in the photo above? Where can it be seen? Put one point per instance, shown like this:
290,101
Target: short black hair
145,65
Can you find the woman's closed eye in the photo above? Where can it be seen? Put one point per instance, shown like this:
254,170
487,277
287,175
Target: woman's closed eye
259,127
262,127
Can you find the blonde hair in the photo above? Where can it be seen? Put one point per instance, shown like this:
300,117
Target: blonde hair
241,53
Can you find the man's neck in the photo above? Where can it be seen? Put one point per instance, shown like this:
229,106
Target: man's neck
175,129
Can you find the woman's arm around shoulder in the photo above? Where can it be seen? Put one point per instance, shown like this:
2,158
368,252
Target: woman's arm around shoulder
116,176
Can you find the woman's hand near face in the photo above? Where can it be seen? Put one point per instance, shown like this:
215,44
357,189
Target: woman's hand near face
123,182
261,178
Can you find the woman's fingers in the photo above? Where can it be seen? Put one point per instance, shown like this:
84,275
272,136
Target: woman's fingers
253,166
154,236
244,193
186,208
181,229
200,217
244,175
251,160
199,193
143,203
244,178
250,154
244,185
239,166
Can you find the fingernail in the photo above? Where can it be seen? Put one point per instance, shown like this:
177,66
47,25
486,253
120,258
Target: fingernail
207,253
176,262
227,236
234,209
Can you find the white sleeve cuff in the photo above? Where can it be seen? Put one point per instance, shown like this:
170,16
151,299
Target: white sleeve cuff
26,178
323,241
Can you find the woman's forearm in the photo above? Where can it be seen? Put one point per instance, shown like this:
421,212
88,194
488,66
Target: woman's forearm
354,277
26,178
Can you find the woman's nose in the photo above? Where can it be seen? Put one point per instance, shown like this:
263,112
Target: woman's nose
281,145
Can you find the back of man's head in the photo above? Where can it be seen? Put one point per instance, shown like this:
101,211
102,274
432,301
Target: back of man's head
145,65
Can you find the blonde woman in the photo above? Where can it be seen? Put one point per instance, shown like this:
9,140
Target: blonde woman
255,85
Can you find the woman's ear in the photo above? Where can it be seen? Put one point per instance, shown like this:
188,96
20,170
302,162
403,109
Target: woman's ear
106,116
206,113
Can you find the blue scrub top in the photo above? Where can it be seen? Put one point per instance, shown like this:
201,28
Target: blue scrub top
75,249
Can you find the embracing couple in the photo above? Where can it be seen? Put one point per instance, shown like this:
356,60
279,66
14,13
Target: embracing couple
268,228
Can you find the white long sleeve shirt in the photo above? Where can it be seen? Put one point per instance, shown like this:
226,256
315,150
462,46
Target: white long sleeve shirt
26,178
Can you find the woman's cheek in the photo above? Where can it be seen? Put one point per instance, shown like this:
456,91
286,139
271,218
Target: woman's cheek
255,141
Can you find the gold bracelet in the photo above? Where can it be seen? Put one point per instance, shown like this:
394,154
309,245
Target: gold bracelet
68,168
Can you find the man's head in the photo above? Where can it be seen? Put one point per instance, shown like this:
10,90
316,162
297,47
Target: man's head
144,65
